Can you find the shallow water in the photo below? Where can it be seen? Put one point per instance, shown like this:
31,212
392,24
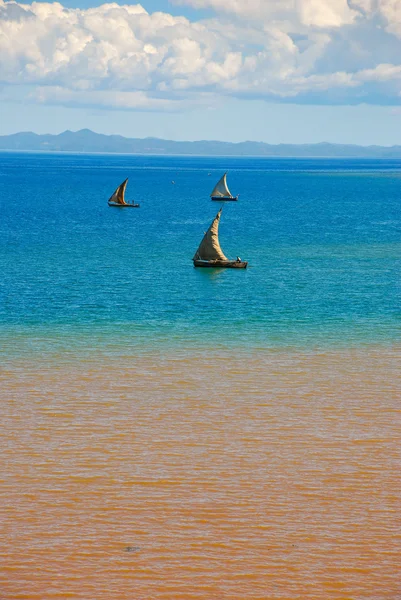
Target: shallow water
193,475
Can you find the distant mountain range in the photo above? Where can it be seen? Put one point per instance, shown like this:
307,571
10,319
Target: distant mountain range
86,140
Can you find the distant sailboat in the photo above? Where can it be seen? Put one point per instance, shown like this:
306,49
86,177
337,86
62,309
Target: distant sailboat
221,192
117,199
210,254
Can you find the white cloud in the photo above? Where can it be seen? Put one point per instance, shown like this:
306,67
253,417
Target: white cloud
57,95
121,56
317,13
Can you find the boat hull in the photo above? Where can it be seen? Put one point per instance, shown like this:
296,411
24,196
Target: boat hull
224,198
123,205
221,264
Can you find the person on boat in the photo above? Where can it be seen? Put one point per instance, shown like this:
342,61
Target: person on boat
238,259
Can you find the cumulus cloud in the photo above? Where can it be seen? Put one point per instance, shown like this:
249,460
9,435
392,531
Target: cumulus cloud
124,57
306,13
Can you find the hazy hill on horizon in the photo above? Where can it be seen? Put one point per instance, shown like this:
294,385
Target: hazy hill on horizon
86,140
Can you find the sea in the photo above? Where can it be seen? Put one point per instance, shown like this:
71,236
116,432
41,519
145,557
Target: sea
174,433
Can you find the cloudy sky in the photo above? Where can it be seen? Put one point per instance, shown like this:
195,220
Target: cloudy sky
269,70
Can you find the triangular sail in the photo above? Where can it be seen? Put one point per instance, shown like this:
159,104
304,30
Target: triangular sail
209,248
118,196
221,190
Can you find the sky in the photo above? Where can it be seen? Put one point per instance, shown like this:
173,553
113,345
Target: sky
278,71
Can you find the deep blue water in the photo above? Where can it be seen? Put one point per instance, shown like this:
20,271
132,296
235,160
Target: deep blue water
322,237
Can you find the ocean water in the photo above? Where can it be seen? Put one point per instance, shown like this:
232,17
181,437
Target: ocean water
172,433
322,237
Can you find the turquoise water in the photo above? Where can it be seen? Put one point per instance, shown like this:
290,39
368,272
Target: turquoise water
322,237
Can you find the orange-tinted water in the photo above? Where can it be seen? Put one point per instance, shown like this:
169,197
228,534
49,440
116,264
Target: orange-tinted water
271,475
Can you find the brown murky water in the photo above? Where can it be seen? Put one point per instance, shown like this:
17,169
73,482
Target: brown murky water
272,475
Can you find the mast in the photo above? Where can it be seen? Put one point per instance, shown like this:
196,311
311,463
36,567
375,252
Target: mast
209,248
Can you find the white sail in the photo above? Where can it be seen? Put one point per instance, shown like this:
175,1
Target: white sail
209,248
221,190
118,196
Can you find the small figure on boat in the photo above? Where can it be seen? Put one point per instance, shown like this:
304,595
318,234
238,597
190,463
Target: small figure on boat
118,199
221,192
210,254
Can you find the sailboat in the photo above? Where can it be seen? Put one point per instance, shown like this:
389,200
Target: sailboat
117,198
221,192
210,254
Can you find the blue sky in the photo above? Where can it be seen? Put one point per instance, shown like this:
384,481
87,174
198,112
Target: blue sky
305,72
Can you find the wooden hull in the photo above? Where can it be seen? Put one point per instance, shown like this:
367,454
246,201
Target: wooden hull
224,198
221,264
123,205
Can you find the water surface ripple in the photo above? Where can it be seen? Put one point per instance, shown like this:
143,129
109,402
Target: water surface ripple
262,475
171,433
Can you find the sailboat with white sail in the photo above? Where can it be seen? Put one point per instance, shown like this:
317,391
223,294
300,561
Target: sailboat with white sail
118,197
210,254
221,192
